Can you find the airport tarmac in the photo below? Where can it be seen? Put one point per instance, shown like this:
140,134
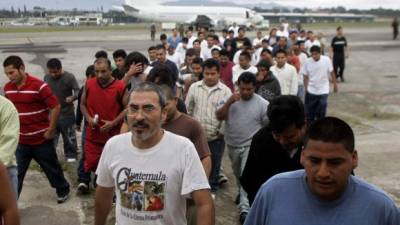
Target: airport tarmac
369,100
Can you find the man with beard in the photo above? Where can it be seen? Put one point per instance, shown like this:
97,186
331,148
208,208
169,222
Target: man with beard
277,147
186,126
244,113
103,103
151,157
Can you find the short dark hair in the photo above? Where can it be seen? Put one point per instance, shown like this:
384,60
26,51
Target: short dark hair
264,64
281,51
247,78
215,49
267,51
245,54
120,53
241,29
101,54
285,111
103,60
185,40
190,52
164,75
197,40
315,48
158,47
167,91
54,63
163,36
210,63
216,38
332,130
14,61
151,87
224,52
198,60
338,28
151,48
135,57
90,71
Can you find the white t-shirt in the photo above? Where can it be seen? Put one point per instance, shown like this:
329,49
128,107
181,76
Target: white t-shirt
235,31
308,44
302,58
287,77
151,185
318,73
280,33
257,41
253,61
176,58
205,53
190,41
237,71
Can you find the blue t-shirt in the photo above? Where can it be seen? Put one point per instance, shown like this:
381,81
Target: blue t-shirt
285,199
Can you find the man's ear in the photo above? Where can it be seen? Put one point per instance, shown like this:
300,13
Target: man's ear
355,159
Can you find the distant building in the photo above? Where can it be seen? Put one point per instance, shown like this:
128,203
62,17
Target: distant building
316,17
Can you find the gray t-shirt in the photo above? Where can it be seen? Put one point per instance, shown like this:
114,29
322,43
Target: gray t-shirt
245,118
63,87
286,199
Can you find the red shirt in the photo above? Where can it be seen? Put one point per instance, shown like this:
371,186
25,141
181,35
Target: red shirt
226,74
105,102
33,101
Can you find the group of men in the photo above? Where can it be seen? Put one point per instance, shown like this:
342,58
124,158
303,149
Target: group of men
155,131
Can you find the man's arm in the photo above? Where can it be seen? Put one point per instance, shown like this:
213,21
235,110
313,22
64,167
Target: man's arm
222,113
204,206
103,203
305,78
108,125
206,162
9,123
54,114
84,110
8,204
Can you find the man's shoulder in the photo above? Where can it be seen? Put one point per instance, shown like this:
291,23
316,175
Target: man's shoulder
179,142
371,192
286,179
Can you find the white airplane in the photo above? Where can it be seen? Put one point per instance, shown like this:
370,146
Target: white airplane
152,10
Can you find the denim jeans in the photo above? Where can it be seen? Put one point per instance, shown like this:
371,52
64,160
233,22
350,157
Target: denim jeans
83,176
45,155
238,156
13,175
315,106
217,151
66,127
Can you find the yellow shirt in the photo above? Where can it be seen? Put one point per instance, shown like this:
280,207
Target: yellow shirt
9,132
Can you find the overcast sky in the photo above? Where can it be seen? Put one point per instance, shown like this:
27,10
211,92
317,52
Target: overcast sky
107,4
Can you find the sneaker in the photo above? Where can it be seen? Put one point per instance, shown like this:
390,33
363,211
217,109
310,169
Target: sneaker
242,217
83,188
71,160
63,198
222,179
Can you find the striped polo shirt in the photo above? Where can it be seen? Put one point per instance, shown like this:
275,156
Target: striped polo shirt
202,102
33,101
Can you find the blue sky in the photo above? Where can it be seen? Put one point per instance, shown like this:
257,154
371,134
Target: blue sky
107,4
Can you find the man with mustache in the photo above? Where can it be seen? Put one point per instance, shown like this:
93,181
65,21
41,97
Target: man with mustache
151,156
103,104
324,192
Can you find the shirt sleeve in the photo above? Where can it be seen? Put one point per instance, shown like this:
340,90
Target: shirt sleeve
259,209
199,139
47,95
75,86
103,172
295,82
194,176
9,135
190,100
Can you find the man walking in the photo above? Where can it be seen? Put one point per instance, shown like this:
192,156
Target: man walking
339,52
38,121
65,87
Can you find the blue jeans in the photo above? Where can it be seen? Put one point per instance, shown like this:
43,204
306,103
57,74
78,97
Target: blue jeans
315,106
66,127
83,176
13,175
217,151
300,92
45,155
238,156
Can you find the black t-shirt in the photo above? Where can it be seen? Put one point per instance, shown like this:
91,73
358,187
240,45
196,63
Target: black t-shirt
338,44
117,74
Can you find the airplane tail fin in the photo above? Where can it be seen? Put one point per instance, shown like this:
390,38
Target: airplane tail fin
143,2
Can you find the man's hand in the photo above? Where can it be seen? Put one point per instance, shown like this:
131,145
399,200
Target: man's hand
108,125
92,123
335,88
69,99
134,69
49,134
234,97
